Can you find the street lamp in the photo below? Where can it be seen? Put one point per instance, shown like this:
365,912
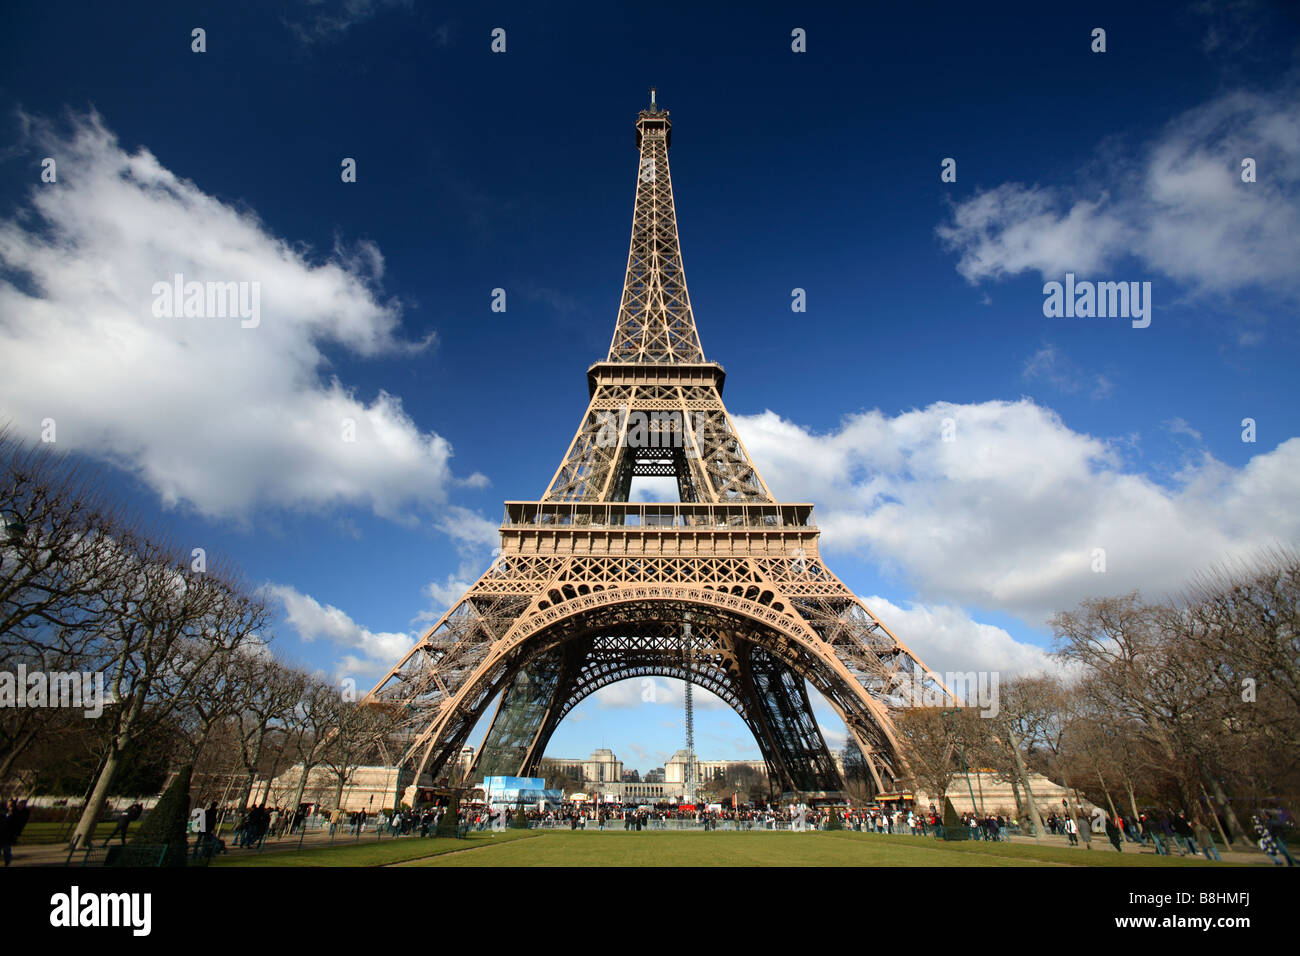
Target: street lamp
961,750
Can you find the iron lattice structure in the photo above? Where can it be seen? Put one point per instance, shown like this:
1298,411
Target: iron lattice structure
590,588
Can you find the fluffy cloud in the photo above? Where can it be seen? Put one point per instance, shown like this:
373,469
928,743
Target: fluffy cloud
654,691
204,411
949,640
373,653
469,528
1180,209
1008,514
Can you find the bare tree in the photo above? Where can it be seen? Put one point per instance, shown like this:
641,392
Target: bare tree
56,549
269,691
212,676
1149,679
1248,620
930,736
313,721
168,627
358,733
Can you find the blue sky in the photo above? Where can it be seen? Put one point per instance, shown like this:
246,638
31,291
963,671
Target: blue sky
817,170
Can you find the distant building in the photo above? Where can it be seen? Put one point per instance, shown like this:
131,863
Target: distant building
603,775
601,767
366,788
984,793
706,770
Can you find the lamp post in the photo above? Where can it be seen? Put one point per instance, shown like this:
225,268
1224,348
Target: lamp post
961,751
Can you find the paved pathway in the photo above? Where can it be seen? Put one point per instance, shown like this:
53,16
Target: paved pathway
56,854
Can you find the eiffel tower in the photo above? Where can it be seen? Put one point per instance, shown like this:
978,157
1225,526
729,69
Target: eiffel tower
725,588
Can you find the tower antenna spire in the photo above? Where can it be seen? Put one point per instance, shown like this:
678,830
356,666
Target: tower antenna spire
652,99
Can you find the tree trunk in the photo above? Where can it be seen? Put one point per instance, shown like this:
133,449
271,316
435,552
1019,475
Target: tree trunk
1106,790
1215,817
1132,799
85,832
302,786
84,835
1234,825
1035,817
1069,806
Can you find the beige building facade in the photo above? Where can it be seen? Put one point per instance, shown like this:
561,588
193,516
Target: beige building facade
983,793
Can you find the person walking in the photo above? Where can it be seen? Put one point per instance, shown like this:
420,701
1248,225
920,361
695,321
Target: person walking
7,819
1271,842
1206,840
18,820
1113,833
1184,831
198,824
1266,841
1149,833
124,821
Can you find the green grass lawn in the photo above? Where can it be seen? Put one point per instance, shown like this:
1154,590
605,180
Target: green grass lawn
752,848
43,834
378,853
567,848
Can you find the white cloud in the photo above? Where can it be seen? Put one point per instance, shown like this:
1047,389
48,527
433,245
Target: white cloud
1049,365
1181,209
1008,515
205,412
836,737
949,640
443,595
1179,426
1007,230
325,20
469,527
655,691
449,592
654,488
374,652
634,693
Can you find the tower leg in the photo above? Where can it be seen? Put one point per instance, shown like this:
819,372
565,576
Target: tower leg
520,715
781,700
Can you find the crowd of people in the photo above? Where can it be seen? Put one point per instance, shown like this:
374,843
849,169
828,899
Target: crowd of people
1167,833
576,816
256,823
